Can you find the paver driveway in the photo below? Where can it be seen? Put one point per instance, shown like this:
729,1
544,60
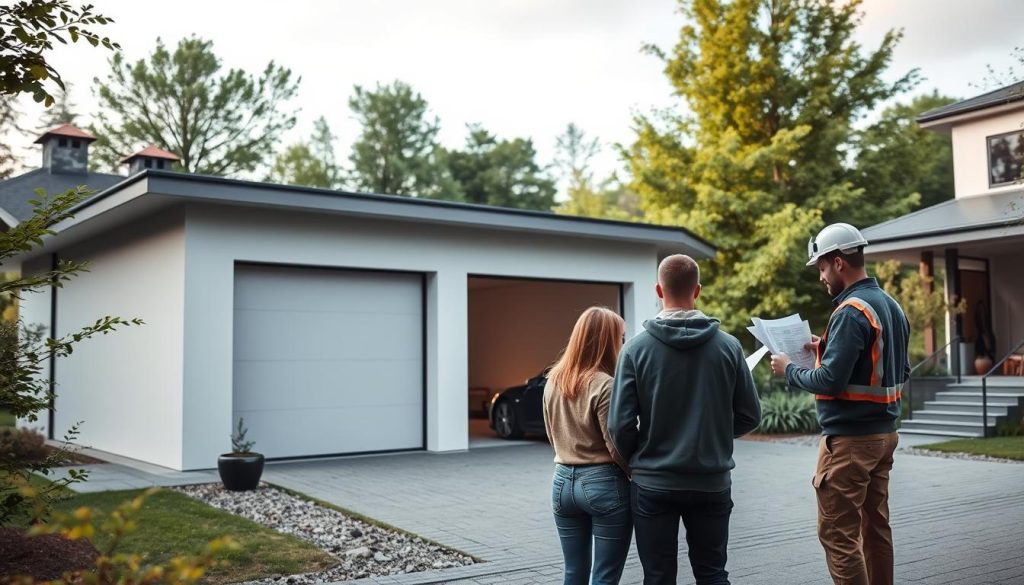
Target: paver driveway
955,521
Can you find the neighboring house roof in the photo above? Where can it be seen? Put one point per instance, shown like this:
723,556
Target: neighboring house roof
15,193
68,130
152,151
1003,95
957,215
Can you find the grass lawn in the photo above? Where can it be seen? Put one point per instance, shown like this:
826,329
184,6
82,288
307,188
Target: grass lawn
172,524
1005,447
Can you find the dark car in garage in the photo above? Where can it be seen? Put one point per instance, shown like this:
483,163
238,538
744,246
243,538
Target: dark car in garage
519,410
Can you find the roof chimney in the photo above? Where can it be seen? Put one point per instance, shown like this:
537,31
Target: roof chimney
66,149
150,157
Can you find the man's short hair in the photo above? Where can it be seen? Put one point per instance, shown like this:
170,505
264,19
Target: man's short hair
856,259
678,275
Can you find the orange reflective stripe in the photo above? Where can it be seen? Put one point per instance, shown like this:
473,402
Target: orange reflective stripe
876,347
847,395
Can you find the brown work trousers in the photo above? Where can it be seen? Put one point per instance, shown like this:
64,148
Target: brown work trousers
852,485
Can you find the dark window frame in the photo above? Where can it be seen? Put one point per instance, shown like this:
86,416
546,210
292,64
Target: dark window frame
988,157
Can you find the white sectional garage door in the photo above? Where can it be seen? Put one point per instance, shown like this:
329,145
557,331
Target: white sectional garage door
328,361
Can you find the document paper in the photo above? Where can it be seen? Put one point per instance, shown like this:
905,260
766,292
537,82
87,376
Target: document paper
787,335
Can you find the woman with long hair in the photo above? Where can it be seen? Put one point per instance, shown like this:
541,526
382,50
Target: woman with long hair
590,489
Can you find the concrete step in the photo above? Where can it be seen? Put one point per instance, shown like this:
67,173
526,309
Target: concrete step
943,427
972,407
939,435
994,398
1004,383
955,416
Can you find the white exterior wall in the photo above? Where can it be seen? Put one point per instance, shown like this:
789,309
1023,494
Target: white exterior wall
970,152
34,309
126,386
218,237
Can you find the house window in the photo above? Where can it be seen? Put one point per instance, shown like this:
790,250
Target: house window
75,144
62,142
159,164
1005,158
149,164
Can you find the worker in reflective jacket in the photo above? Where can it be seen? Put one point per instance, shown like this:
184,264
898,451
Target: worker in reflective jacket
860,372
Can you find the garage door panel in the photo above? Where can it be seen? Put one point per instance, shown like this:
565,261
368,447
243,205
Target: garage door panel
328,361
263,335
287,433
277,384
260,287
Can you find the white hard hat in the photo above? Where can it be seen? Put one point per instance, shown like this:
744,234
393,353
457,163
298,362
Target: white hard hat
838,236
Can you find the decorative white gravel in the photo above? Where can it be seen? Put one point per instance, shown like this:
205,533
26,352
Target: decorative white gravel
362,549
812,441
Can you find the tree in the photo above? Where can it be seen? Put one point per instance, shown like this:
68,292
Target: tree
219,123
898,157
28,30
9,116
397,152
309,163
503,173
61,112
610,199
762,160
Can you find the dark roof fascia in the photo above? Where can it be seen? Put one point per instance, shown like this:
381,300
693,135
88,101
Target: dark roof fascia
958,108
184,185
994,222
945,232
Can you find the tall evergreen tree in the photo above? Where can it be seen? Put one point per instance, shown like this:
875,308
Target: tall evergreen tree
504,173
219,123
310,163
761,160
397,152
584,195
61,112
9,116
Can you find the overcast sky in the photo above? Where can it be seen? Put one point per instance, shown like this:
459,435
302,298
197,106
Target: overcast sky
519,67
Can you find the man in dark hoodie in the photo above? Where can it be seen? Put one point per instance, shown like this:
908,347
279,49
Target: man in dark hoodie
687,384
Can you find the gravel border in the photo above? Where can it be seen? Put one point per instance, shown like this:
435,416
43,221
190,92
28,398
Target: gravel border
362,549
812,441
956,455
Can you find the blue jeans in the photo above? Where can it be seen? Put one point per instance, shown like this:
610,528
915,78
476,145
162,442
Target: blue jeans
591,506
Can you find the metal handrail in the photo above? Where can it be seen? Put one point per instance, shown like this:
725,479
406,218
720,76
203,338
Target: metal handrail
910,390
984,387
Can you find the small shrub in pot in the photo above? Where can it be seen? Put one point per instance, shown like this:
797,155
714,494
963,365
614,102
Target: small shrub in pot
242,468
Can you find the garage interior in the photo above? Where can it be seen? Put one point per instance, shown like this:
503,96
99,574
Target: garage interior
518,327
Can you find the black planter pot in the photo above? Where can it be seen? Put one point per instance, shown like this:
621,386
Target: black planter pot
240,471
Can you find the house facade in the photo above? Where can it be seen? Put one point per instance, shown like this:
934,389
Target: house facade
977,237
333,323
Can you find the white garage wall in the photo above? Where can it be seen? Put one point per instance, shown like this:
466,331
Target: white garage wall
34,309
516,328
126,386
217,237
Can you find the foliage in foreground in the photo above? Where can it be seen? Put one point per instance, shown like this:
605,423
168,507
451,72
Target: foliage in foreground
788,412
112,565
26,352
